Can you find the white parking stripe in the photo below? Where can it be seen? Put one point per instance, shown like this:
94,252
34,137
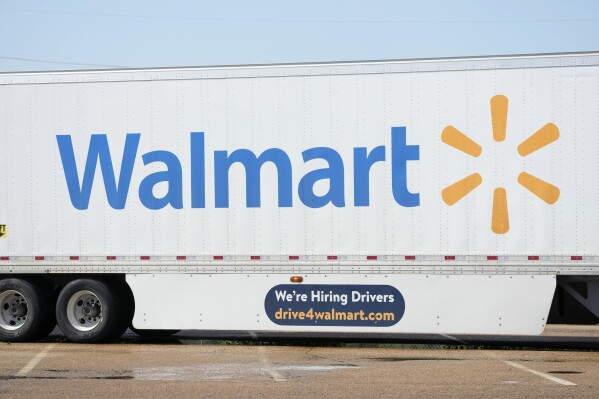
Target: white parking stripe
34,362
268,365
538,373
519,366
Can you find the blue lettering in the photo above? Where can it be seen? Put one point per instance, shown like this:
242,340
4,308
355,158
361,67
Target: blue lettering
198,171
116,193
362,163
400,155
172,175
334,173
98,149
252,165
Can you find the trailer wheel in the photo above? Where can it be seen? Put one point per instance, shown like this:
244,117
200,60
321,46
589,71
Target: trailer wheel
26,312
91,311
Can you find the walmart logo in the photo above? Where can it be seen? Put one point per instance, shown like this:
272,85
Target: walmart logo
451,136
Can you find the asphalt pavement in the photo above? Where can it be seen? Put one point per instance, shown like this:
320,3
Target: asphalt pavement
193,364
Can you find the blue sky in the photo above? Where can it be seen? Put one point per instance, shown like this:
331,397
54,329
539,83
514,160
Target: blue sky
84,34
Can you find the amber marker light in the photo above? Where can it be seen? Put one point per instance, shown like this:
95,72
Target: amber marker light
296,279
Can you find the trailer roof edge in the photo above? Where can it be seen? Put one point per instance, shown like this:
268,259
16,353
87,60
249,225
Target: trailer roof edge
315,63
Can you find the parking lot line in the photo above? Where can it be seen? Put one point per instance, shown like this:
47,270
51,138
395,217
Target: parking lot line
538,373
519,366
34,362
268,365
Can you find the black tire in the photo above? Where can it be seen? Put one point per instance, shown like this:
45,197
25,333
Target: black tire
26,310
154,334
91,311
126,300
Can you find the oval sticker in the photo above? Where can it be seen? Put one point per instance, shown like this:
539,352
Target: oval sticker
334,305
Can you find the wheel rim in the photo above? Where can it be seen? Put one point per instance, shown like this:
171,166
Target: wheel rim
13,310
84,311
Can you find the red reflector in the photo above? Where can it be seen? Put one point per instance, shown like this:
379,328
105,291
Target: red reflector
410,257
218,257
332,257
144,257
4,257
111,258
39,258
255,257
492,257
181,257
293,257
372,257
73,258
533,258
449,257
576,257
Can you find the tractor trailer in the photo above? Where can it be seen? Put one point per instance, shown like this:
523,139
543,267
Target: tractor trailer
447,196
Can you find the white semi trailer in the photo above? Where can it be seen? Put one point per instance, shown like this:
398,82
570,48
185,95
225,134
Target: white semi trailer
416,196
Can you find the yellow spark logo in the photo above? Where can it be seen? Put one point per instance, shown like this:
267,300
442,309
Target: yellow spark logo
451,136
